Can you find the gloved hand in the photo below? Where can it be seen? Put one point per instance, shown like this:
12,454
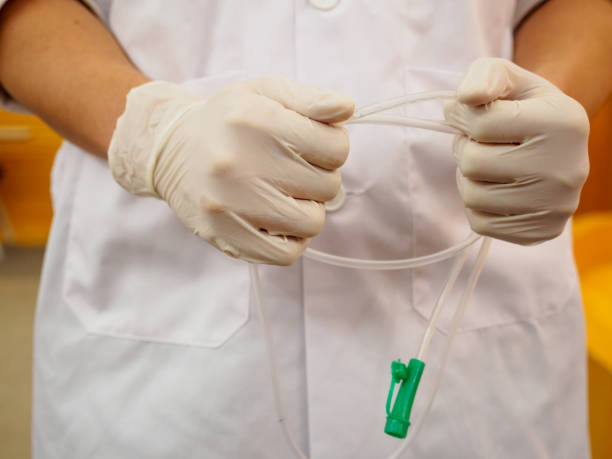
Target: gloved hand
247,170
523,159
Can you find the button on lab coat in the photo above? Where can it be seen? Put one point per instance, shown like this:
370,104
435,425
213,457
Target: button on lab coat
147,342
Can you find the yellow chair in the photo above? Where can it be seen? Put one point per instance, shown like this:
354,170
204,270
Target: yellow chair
593,252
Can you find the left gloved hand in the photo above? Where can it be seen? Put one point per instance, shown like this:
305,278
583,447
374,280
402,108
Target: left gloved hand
524,158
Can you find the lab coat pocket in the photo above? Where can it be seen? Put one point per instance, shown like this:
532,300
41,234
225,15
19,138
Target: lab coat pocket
133,271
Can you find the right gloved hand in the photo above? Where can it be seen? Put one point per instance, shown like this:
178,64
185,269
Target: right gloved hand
247,170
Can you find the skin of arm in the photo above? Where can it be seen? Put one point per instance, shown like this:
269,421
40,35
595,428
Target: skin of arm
58,59
569,42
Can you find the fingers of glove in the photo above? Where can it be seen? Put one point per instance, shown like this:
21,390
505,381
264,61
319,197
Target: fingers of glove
291,217
308,182
236,185
497,198
240,239
316,103
503,121
260,247
565,170
320,144
494,162
266,122
275,250
265,207
488,79
280,250
525,229
527,195
498,101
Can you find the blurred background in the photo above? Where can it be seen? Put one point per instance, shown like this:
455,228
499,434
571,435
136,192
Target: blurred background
27,148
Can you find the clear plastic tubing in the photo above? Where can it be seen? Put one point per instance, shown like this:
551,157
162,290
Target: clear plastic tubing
362,112
460,251
359,263
273,362
456,320
454,326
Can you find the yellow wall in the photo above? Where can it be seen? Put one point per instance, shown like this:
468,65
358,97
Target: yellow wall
597,191
27,148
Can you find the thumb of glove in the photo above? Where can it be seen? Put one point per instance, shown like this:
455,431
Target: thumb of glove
488,79
315,103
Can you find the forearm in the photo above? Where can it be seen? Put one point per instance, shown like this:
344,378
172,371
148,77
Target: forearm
569,43
59,60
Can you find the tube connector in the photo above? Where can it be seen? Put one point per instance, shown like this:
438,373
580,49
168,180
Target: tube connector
398,418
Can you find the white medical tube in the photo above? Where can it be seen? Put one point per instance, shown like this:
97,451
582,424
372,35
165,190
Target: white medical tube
360,263
272,361
435,313
431,125
460,250
454,326
457,317
402,100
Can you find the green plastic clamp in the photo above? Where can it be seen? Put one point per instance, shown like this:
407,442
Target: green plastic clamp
398,418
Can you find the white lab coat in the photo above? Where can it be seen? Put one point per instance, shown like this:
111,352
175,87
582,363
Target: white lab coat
147,343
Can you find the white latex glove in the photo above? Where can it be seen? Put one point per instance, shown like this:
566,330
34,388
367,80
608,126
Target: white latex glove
524,157
247,170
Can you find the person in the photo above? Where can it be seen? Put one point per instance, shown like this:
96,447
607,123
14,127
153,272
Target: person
146,344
